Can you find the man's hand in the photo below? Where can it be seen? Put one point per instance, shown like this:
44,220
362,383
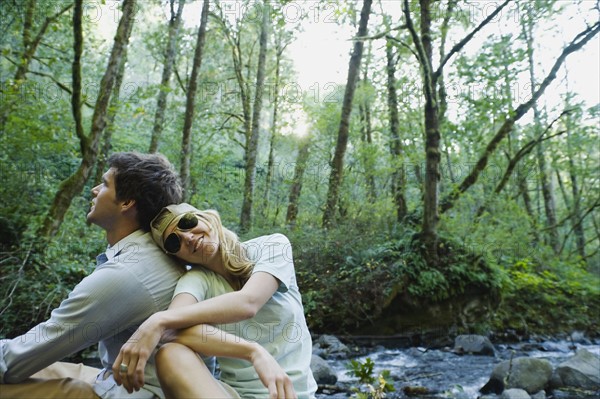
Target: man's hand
134,355
272,375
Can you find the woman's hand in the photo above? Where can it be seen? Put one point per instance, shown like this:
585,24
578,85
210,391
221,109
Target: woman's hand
135,353
272,375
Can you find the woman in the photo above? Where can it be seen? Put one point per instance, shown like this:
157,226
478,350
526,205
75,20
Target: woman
236,295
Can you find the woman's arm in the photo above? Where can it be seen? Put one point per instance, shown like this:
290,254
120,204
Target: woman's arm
227,308
211,341
185,312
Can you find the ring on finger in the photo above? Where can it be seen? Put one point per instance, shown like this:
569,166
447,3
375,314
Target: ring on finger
123,368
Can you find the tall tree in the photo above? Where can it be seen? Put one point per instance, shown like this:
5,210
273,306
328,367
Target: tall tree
190,105
169,61
296,187
442,94
423,43
252,144
73,185
234,39
577,226
514,115
337,164
280,46
31,40
111,115
366,128
398,176
545,178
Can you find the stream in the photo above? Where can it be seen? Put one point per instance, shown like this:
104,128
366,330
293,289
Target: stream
447,375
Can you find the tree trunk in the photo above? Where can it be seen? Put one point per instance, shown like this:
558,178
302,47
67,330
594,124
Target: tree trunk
337,166
364,110
424,53
186,139
161,102
520,154
271,161
73,185
548,195
442,94
296,188
252,145
366,129
110,120
398,175
576,211
524,192
423,44
432,146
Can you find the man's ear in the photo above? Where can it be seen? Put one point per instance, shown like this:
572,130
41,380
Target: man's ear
128,205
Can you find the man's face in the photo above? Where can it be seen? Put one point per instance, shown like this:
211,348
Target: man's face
105,209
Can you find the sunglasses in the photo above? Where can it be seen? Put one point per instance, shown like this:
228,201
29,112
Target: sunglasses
172,243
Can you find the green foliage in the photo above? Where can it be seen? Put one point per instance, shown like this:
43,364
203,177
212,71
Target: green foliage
367,257
332,266
376,387
362,371
34,281
372,269
571,291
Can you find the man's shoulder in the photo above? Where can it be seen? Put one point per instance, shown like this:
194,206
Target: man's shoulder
137,255
138,246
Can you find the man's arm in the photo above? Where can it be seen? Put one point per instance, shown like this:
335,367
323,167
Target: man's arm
93,311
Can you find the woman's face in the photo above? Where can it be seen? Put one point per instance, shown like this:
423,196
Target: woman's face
199,244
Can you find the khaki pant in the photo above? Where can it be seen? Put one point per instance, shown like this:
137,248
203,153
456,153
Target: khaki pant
57,381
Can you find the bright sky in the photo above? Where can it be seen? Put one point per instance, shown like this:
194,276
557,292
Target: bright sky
321,52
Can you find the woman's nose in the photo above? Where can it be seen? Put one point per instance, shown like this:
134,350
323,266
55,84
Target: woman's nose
186,236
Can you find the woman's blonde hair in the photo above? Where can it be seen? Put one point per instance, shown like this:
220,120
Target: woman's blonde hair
233,254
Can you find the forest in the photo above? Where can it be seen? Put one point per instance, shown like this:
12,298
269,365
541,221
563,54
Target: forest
447,182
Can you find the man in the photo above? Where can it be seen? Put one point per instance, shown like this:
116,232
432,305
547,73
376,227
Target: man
133,280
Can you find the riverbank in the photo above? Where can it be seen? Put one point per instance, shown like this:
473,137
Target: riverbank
446,373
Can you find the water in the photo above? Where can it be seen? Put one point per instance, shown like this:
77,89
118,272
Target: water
443,373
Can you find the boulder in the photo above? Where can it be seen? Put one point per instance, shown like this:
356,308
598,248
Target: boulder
515,393
332,347
529,374
578,337
581,371
539,395
474,344
318,351
322,372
